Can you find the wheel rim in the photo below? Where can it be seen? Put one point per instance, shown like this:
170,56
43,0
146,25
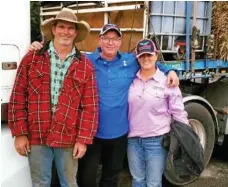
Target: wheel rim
199,130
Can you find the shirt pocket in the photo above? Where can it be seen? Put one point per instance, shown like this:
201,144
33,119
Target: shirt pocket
157,95
126,73
134,94
157,101
73,87
35,82
124,78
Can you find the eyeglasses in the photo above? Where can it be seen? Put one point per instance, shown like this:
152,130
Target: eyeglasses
113,40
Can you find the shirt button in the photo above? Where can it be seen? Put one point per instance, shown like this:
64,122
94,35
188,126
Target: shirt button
105,62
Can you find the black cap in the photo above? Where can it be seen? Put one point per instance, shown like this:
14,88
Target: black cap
145,46
108,27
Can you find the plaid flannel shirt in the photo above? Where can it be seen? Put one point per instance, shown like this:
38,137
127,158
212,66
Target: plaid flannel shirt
75,118
58,72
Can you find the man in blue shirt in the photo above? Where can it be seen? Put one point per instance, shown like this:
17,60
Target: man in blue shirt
114,73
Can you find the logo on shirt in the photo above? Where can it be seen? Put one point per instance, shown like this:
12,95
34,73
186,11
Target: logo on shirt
124,63
158,88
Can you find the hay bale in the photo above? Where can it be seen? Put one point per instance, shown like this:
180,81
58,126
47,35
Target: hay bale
220,28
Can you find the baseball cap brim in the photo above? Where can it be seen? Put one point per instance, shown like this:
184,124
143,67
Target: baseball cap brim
112,28
145,52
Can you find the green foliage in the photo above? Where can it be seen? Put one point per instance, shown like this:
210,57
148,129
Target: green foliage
35,20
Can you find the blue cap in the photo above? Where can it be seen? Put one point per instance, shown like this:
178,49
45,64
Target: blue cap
108,27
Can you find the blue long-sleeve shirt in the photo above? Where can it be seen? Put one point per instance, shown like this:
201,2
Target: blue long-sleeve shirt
114,79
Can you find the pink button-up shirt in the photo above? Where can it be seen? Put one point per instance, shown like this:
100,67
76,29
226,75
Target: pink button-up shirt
152,105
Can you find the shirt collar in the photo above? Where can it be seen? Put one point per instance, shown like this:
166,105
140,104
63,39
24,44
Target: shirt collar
157,76
97,54
74,51
51,47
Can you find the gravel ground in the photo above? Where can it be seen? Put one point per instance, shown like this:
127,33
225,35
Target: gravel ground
214,175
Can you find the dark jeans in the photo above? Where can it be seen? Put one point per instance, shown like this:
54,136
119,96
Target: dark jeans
111,153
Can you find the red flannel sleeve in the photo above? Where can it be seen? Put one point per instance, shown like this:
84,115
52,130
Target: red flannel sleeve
88,121
17,108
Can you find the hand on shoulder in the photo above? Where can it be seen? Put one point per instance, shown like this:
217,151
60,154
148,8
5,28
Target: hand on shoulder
35,46
173,79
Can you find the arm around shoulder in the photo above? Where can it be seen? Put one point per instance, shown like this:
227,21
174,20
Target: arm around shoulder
173,79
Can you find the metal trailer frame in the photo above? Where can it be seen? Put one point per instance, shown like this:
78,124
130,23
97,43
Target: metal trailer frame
190,68
104,9
205,68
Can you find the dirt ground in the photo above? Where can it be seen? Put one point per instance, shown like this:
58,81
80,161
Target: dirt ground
215,174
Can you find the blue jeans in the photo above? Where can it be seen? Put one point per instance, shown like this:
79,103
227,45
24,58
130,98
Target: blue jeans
146,158
40,162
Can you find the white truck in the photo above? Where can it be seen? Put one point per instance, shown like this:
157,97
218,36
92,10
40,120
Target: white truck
15,39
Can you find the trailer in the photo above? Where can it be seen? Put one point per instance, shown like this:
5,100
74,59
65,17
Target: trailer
181,31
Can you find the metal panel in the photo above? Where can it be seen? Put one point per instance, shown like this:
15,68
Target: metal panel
205,68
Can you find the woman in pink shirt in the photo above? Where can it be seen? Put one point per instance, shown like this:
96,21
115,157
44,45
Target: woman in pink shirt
152,105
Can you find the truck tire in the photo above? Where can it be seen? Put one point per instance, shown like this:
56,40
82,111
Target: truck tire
203,124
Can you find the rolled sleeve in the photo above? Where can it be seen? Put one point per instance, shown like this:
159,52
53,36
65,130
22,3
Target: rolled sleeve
176,105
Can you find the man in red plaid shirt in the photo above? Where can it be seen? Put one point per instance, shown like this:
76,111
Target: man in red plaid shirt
53,109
